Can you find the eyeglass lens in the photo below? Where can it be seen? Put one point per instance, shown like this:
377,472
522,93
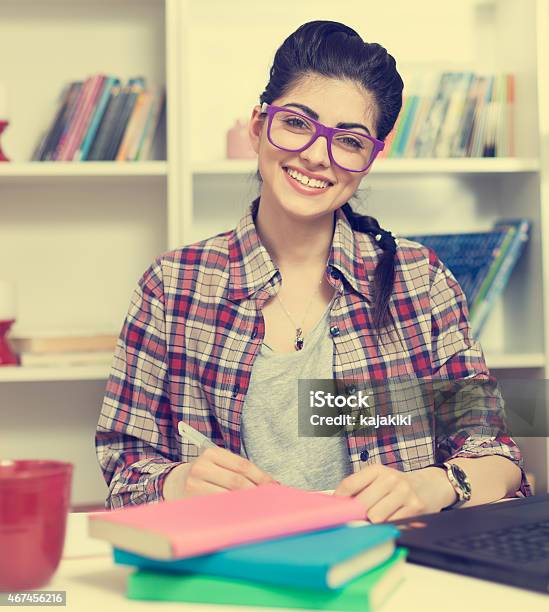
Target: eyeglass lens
293,132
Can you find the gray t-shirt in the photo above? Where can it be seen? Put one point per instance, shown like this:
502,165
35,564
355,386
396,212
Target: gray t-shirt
269,425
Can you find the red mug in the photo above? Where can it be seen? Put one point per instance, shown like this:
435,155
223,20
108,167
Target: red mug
34,502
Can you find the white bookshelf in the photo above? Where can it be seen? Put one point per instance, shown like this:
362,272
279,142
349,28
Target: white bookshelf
55,170
53,374
77,236
396,166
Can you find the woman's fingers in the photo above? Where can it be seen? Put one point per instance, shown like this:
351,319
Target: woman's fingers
220,476
386,507
235,463
374,493
355,483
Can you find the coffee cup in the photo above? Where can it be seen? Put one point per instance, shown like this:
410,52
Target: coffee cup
34,502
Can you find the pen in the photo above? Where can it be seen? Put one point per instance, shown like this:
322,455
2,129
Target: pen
194,436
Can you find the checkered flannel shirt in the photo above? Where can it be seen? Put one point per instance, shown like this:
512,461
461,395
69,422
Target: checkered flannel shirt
194,328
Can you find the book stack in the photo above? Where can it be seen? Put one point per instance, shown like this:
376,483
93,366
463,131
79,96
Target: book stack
271,546
59,350
482,263
455,114
102,119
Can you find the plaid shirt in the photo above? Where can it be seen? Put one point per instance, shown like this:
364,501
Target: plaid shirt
194,327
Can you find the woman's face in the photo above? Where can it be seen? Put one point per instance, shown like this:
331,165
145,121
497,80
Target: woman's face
332,101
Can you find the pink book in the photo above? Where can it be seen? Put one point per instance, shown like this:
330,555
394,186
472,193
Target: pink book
82,117
199,525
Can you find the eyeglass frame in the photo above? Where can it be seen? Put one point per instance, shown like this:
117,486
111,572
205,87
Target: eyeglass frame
320,130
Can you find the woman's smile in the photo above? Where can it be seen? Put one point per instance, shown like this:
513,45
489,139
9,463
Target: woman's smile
305,183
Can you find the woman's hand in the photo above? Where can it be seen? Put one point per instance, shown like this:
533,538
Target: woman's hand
214,471
388,494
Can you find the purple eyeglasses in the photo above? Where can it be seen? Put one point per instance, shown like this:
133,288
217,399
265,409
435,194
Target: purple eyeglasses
292,131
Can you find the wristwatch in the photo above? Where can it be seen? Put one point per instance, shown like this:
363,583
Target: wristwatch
459,481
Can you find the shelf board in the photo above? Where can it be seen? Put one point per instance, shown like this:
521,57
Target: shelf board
501,361
42,374
32,170
101,372
485,165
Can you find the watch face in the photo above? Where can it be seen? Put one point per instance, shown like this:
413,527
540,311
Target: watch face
462,480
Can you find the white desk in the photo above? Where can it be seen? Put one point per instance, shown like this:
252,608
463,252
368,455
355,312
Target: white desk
94,582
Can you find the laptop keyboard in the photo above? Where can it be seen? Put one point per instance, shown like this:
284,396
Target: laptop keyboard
524,543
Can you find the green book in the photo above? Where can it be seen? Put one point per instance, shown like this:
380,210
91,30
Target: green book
365,593
496,265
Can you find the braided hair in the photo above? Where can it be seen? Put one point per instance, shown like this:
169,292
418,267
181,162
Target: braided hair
333,49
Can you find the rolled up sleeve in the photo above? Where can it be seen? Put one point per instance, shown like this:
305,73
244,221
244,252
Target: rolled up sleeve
469,412
136,443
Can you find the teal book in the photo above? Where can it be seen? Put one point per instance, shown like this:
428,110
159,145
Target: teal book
501,278
324,559
365,593
96,119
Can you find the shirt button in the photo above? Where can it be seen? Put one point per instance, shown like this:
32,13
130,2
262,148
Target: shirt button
351,389
254,333
236,390
334,330
334,272
364,454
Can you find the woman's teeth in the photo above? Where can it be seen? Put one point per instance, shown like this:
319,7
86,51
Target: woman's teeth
304,180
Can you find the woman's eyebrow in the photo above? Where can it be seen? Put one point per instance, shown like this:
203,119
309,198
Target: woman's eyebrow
313,115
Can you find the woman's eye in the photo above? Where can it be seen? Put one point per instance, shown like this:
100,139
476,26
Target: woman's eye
296,122
351,142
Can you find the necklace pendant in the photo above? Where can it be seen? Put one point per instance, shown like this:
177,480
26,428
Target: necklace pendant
299,340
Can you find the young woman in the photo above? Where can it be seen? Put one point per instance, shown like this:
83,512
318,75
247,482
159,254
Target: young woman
218,333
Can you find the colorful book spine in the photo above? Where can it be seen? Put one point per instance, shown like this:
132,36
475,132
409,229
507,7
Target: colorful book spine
95,122
101,138
134,88
81,122
145,149
137,132
45,143
62,127
502,251
85,92
501,278
132,127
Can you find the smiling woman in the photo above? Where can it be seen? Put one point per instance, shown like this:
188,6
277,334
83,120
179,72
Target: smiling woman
220,332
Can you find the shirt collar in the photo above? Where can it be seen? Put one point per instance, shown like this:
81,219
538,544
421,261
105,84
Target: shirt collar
353,254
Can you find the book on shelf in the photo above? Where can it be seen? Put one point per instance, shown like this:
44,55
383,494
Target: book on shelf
103,119
134,88
325,559
481,262
97,116
46,343
454,114
519,230
46,149
200,525
365,593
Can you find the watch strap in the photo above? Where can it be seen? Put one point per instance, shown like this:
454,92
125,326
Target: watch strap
461,496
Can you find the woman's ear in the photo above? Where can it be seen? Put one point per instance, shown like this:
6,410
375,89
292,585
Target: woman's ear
255,127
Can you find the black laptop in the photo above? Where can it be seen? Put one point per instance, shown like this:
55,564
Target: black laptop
506,542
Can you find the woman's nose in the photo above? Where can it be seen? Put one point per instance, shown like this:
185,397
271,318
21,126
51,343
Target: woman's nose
317,153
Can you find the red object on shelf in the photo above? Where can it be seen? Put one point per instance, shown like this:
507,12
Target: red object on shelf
3,126
7,356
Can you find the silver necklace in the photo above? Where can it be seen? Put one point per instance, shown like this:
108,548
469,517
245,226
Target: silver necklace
299,340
